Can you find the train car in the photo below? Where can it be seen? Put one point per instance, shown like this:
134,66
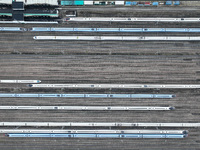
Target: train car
62,29
84,29
108,29
40,29
73,95
194,29
176,30
13,29
131,29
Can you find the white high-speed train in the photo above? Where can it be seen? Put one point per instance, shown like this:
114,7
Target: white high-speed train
134,86
20,81
96,124
92,131
118,108
119,38
123,19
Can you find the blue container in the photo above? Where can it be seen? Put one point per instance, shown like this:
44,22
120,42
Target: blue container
134,3
66,2
155,3
128,3
177,3
168,3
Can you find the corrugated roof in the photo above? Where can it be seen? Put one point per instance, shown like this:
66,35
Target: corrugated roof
30,2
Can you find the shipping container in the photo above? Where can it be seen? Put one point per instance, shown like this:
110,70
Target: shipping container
155,3
141,3
147,3
72,2
168,3
176,2
119,2
128,3
88,2
134,3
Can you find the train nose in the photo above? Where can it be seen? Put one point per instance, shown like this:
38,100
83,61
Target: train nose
172,108
173,95
34,37
30,85
185,132
186,135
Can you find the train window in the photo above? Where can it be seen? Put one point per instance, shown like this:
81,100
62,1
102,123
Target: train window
145,29
182,18
92,85
129,18
55,107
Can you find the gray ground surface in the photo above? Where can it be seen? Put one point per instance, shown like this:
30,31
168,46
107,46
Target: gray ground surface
101,62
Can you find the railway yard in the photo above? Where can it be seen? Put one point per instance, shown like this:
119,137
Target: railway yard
101,94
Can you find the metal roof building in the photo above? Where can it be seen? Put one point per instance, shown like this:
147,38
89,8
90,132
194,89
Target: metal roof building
31,2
